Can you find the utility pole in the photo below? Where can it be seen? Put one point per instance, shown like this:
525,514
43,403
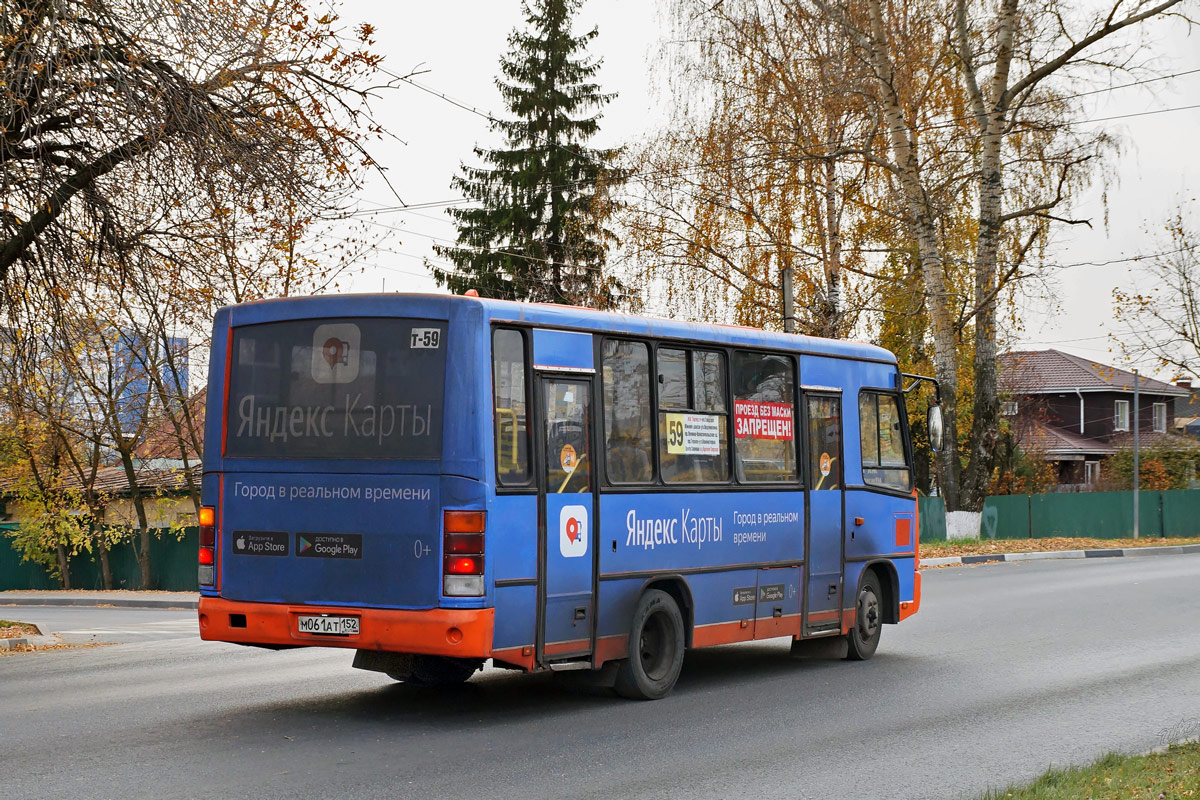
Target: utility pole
1136,455
789,313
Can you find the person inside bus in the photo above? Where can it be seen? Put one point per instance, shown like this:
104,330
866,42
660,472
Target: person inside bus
628,461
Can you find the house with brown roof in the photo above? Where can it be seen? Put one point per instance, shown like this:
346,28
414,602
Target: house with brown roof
1187,409
1076,412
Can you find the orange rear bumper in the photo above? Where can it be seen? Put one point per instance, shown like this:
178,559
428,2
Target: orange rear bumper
466,633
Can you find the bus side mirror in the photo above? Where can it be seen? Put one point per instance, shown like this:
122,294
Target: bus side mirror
936,430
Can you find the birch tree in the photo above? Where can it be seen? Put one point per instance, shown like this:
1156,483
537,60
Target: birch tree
1162,312
1014,149
749,179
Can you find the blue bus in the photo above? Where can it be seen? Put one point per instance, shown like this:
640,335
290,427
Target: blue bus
435,481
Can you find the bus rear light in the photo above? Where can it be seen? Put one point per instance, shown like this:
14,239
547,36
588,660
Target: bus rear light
207,555
464,565
464,543
462,586
208,526
464,521
462,553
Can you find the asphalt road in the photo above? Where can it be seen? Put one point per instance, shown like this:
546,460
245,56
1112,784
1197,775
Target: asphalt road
1007,669
82,625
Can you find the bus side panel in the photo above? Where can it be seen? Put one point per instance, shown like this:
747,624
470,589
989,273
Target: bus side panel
905,569
512,537
516,617
725,606
778,603
614,611
512,556
723,612
671,531
888,527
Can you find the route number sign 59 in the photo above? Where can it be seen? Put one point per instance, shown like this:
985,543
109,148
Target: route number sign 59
425,338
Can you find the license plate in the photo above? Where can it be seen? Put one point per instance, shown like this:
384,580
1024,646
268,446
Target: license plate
328,626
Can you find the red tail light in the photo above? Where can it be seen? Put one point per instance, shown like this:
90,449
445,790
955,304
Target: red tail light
464,565
462,549
208,543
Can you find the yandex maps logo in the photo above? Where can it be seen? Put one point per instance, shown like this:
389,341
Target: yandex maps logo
335,353
573,531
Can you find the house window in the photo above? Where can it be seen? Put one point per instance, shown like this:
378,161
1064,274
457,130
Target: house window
1121,416
1008,408
1160,417
1091,472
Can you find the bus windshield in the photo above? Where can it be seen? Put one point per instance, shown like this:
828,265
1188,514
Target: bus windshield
337,388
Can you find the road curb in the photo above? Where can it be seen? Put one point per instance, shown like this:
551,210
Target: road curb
99,602
1119,552
28,641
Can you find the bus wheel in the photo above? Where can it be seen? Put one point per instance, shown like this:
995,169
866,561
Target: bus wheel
438,671
868,620
655,649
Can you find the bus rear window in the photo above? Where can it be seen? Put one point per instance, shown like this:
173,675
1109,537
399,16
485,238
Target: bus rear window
337,388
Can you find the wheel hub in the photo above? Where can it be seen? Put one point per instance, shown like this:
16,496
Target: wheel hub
651,646
868,614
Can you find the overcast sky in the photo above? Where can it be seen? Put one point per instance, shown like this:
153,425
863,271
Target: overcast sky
459,43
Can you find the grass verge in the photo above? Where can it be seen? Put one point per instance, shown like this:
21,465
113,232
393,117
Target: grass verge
1170,775
15,630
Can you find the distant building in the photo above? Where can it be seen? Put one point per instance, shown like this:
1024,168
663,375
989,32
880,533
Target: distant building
1076,413
1187,409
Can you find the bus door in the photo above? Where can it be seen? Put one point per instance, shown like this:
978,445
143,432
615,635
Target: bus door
566,521
823,413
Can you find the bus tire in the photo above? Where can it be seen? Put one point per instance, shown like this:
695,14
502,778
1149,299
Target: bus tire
438,671
863,637
656,644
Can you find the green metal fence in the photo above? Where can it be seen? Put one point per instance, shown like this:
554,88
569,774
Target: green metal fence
931,514
1096,515
172,566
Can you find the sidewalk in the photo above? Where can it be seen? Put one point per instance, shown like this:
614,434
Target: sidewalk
1116,552
117,599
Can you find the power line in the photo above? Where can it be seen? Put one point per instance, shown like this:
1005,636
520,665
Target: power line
1128,259
840,142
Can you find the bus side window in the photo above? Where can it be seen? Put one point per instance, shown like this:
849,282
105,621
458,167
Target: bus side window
693,442
508,386
883,455
825,441
627,437
764,414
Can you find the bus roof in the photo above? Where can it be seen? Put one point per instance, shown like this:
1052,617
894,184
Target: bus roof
549,315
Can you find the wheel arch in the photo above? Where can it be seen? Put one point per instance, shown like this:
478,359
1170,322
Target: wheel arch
889,584
676,586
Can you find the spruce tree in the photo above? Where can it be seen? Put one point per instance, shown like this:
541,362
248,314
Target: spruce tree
535,229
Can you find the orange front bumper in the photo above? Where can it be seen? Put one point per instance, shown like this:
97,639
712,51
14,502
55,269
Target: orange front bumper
466,633
910,608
